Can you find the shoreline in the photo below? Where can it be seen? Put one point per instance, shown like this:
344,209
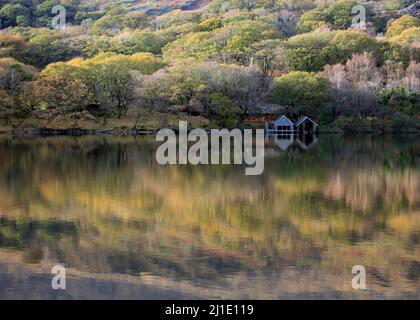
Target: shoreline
77,132
48,132
151,122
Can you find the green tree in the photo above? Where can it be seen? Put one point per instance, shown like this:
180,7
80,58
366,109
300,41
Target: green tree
23,21
85,15
13,77
44,14
399,100
111,23
404,53
113,76
63,86
409,36
13,45
97,45
13,14
176,18
397,26
196,45
137,41
222,111
136,20
396,4
210,24
185,83
337,15
47,47
114,79
269,56
310,51
241,37
346,43
302,92
309,21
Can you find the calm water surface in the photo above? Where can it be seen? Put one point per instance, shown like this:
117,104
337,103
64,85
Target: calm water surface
125,227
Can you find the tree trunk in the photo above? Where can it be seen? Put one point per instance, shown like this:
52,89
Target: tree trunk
137,121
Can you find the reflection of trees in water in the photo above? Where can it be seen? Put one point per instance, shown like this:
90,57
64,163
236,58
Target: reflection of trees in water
31,236
361,178
103,205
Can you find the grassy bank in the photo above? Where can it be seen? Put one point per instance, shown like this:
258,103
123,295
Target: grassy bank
147,122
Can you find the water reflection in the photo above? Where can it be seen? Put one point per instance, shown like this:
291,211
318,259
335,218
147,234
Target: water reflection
285,141
129,228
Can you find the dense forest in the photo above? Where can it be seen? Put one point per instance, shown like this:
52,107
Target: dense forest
145,64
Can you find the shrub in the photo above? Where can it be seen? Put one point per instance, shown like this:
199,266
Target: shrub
397,26
399,100
310,51
222,111
210,24
347,43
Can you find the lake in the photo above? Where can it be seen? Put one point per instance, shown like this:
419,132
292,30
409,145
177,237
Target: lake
127,228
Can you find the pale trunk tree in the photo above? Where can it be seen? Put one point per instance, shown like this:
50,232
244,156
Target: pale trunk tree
412,78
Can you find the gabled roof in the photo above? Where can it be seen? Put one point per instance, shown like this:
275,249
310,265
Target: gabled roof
303,119
283,120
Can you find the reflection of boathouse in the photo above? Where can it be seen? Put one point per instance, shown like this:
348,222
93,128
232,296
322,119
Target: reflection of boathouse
292,141
307,141
283,141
